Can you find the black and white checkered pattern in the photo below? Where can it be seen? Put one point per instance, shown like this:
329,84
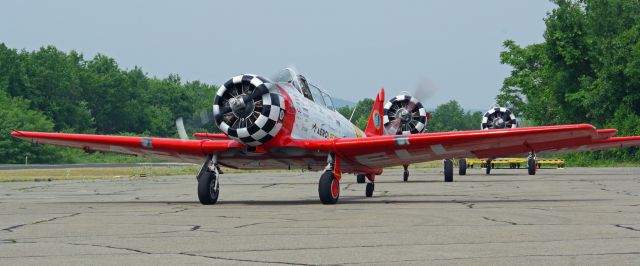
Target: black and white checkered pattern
268,123
501,111
422,120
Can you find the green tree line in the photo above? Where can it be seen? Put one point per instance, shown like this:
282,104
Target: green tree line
51,90
587,70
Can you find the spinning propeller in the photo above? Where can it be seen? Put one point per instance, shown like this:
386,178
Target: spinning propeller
405,114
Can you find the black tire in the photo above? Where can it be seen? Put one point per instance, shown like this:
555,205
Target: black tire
488,168
405,176
531,165
360,178
462,166
207,194
369,191
328,188
448,170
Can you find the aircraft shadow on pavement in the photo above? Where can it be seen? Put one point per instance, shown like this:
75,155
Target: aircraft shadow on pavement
389,199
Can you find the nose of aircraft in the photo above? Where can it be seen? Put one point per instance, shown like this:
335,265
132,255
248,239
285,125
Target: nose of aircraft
248,108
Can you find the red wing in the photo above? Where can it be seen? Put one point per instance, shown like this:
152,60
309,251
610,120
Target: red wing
384,151
602,144
161,148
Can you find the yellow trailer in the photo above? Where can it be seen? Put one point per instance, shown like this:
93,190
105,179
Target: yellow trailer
510,163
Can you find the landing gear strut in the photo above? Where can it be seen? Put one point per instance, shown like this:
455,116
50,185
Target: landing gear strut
448,170
531,163
208,186
405,174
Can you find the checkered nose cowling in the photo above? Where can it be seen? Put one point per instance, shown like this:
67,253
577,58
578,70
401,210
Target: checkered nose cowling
498,117
404,115
250,109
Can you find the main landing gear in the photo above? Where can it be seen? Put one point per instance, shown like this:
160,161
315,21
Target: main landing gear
208,185
448,170
405,174
329,188
329,183
532,163
462,166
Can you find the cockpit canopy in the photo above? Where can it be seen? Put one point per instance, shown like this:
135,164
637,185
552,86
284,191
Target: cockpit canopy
305,88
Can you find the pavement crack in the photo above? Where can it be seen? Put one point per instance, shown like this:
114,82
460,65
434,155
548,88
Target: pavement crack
467,204
242,260
251,224
195,227
112,247
498,221
268,186
627,227
11,228
176,211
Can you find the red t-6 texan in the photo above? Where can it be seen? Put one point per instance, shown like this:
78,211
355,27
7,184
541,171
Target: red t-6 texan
286,122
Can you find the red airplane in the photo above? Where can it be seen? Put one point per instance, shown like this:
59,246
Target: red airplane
286,122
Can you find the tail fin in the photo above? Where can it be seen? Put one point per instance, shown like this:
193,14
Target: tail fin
374,126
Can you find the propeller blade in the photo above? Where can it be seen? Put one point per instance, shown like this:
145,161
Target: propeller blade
181,131
257,93
224,110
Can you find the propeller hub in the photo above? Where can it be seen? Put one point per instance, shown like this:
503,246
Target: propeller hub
241,107
498,123
404,115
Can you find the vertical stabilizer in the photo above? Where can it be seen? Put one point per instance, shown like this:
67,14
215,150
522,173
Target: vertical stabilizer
374,126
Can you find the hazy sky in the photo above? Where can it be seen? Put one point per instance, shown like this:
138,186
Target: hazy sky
349,48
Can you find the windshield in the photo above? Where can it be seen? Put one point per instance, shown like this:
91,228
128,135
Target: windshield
328,101
317,95
286,75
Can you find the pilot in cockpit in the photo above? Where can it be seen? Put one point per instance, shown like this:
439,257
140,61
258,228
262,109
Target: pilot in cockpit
304,87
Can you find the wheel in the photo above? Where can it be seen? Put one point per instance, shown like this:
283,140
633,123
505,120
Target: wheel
405,176
531,164
448,170
462,166
208,190
488,168
328,188
369,190
360,178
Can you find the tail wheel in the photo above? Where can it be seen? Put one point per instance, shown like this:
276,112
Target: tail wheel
405,176
488,167
328,188
369,190
462,166
448,170
531,163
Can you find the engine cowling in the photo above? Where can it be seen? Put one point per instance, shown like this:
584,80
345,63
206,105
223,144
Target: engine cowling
248,108
498,117
404,115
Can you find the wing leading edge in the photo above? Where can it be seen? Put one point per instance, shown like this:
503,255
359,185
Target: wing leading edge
386,151
161,148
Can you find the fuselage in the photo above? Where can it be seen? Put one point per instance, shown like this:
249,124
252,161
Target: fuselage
316,120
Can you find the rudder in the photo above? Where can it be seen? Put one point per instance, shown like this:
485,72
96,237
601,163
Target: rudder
374,126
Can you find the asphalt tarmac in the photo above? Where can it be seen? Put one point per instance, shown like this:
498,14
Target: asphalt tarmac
583,216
